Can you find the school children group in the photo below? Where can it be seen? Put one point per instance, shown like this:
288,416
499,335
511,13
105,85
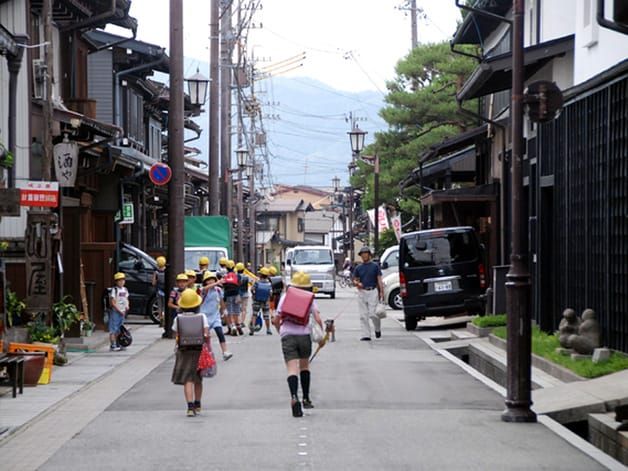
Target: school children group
203,301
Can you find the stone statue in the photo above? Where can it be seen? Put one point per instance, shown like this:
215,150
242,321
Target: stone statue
588,338
568,326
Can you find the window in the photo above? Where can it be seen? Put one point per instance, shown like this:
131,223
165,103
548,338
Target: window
300,225
129,262
269,223
313,257
393,259
441,249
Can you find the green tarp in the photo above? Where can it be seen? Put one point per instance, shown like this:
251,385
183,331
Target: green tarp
207,231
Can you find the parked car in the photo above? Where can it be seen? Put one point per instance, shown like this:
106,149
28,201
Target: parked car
139,267
392,290
442,273
389,261
389,264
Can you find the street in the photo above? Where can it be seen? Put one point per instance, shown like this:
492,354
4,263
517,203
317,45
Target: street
392,403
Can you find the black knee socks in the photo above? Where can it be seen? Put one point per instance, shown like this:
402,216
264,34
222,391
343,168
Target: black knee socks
305,383
293,384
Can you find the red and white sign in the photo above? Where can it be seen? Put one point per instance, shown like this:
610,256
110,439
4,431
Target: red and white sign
396,224
39,194
382,218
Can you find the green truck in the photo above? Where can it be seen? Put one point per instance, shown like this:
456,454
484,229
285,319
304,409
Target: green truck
208,236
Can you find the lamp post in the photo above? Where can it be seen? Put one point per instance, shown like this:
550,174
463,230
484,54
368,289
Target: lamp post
242,155
197,91
518,397
356,138
336,185
376,204
197,88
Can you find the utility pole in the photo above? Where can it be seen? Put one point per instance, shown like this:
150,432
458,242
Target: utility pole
214,140
518,380
413,23
226,41
176,194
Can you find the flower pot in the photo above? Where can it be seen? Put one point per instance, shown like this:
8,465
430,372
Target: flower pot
88,332
33,367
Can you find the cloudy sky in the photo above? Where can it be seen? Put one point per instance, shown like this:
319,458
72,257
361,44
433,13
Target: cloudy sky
351,45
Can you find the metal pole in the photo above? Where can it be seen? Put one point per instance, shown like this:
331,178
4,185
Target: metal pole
176,195
518,399
240,216
214,140
351,245
376,198
225,109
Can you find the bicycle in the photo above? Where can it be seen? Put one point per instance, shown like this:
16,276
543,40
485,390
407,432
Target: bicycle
344,279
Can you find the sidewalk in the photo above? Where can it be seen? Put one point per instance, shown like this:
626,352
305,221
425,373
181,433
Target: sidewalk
83,368
554,401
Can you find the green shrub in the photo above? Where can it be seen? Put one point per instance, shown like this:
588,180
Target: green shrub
545,345
490,321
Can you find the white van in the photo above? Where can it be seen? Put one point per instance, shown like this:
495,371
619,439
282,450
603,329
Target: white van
318,262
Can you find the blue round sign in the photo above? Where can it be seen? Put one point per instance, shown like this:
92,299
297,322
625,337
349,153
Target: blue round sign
160,174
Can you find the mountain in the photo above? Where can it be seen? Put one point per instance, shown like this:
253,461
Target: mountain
306,129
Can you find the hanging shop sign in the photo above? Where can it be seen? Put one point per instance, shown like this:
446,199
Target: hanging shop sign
66,162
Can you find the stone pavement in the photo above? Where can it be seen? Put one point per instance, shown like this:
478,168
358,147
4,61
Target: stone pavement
83,369
80,392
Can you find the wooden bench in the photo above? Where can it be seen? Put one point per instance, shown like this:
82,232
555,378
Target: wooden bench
14,365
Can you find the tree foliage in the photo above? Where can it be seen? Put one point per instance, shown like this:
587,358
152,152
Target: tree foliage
421,110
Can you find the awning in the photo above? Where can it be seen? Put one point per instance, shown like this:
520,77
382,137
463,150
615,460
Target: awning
461,142
476,27
473,194
494,74
129,157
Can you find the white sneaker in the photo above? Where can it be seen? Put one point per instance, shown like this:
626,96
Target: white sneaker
226,355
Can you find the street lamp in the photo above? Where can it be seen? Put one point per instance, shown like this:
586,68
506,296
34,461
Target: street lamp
242,156
356,137
197,88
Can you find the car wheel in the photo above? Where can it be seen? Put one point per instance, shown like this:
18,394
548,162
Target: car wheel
332,295
153,309
411,323
395,300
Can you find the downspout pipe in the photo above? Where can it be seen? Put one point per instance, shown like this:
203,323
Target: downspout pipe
14,63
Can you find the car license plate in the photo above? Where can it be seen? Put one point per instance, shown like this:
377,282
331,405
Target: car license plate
442,286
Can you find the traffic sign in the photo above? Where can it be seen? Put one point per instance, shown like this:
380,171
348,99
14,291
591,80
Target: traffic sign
160,174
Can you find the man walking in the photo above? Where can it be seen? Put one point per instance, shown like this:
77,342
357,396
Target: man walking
367,277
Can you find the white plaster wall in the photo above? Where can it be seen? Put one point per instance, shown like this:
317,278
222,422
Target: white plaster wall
596,48
558,18
13,17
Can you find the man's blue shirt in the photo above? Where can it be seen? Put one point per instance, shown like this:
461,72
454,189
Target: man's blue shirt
367,273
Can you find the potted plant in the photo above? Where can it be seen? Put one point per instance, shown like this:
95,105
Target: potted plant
87,328
15,308
38,331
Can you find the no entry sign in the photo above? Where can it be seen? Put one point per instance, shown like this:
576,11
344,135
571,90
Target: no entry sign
160,174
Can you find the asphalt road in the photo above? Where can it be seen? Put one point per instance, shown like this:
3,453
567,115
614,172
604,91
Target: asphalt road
391,404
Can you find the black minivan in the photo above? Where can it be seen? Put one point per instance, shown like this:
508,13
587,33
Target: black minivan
441,273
